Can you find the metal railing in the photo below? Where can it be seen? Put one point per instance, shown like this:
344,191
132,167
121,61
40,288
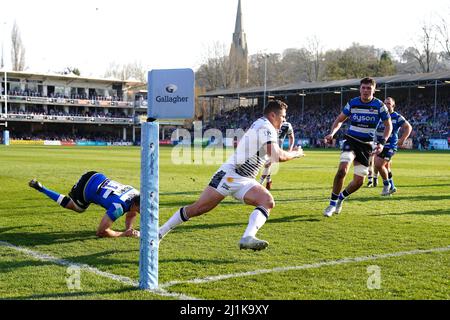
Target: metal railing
68,101
67,119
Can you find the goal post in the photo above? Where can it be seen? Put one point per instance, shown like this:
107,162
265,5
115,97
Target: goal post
170,97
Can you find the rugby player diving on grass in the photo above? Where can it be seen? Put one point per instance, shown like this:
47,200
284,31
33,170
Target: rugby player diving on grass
95,187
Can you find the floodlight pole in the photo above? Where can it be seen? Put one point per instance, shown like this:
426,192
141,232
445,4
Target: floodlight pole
6,100
435,100
265,80
303,105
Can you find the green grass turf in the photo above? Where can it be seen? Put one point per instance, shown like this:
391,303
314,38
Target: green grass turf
416,217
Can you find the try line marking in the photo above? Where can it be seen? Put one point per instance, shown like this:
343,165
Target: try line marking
85,267
161,290
302,267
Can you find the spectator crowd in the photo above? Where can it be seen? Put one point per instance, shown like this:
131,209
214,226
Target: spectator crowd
315,121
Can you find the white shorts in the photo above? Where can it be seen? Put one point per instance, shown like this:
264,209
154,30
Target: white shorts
228,183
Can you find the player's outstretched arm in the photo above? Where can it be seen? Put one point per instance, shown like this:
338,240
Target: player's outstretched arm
337,124
278,154
130,217
104,230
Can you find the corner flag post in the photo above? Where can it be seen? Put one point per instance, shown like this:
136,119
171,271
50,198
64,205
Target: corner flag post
148,262
170,97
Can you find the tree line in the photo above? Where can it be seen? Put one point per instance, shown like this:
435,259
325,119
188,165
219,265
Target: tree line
429,53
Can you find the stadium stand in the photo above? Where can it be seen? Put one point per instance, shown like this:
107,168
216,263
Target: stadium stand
71,108
51,107
424,99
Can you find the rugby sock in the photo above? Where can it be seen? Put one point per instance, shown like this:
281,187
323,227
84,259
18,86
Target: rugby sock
261,180
369,178
268,178
385,182
256,220
391,180
51,194
343,195
333,200
375,180
178,218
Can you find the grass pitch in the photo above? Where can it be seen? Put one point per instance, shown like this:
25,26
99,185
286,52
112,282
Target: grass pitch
416,218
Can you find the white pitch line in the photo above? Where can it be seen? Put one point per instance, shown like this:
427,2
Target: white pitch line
302,267
125,280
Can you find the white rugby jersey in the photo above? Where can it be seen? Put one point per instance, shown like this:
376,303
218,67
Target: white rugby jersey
285,130
250,154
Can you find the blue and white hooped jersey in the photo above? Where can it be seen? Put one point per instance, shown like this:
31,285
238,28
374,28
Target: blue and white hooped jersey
111,195
285,130
397,122
365,117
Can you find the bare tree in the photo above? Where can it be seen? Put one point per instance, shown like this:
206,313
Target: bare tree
133,70
444,38
424,53
70,71
315,50
17,49
216,71
296,65
2,64
268,67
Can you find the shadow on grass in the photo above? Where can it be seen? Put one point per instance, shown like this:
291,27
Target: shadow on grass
45,238
6,229
304,188
9,266
170,204
185,193
425,213
182,203
425,185
297,218
398,196
101,258
198,193
304,199
98,260
73,294
200,262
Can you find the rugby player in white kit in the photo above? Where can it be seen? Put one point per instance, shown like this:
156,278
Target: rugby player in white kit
236,177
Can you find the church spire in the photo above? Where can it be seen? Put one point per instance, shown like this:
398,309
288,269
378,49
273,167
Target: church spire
238,26
239,51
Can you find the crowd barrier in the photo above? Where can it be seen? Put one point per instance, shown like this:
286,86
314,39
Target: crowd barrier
69,143
434,144
438,144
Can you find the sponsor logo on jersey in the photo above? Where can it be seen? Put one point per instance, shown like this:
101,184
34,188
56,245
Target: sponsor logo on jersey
360,118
